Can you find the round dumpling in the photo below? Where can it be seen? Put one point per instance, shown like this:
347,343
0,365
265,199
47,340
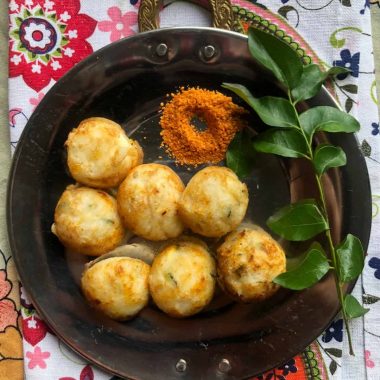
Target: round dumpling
117,286
99,153
247,262
182,278
86,221
148,202
214,202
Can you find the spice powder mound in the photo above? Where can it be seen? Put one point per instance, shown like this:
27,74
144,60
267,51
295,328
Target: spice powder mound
183,141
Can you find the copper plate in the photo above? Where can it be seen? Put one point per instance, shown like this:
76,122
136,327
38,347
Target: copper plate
126,81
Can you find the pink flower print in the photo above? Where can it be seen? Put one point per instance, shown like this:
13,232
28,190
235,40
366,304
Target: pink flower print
35,101
12,114
368,362
5,285
8,312
37,358
120,25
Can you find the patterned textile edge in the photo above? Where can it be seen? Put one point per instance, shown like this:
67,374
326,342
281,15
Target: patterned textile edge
273,23
314,365
307,366
246,18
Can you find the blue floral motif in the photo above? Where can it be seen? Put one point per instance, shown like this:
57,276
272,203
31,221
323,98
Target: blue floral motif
366,5
284,1
375,129
334,331
133,2
375,264
348,61
290,366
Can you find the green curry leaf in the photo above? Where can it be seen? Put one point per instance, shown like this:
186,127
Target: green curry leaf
350,258
276,112
298,221
308,272
312,79
353,308
328,156
286,143
240,154
276,56
328,119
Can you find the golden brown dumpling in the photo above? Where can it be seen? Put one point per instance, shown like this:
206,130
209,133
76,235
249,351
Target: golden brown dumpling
117,286
247,262
86,221
100,154
182,278
148,202
214,202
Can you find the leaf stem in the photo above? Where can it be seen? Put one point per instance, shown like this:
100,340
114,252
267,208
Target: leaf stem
335,264
309,149
328,231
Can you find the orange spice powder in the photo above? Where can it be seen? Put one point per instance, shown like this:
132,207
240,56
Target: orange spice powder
183,141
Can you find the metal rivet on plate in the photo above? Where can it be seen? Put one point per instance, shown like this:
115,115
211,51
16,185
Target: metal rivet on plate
224,366
161,49
181,365
209,51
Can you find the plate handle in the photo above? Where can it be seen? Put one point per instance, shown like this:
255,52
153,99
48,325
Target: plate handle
221,10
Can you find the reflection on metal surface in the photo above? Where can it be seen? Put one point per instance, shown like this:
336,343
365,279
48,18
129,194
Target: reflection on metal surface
181,365
224,366
161,49
208,51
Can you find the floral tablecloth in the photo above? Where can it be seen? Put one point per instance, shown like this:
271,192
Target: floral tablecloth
48,37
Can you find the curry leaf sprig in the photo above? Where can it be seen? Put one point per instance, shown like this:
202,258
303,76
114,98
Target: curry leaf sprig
291,136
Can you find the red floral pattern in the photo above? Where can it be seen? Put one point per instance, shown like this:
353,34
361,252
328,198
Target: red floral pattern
46,39
37,358
120,25
33,330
